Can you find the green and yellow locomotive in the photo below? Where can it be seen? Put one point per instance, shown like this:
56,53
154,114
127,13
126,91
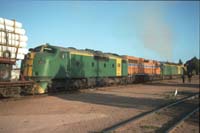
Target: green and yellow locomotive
171,70
53,67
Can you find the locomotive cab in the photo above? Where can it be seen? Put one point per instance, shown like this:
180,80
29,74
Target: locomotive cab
40,66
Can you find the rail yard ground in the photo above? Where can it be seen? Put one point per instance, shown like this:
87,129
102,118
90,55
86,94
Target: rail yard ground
93,110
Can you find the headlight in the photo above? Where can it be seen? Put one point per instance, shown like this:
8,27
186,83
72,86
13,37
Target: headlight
41,61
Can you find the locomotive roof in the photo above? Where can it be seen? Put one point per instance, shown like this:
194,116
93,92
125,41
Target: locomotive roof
92,52
169,63
86,51
68,49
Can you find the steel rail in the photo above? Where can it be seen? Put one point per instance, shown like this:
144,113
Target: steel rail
171,129
140,116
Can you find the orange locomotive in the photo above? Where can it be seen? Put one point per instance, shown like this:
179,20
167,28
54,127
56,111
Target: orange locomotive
141,66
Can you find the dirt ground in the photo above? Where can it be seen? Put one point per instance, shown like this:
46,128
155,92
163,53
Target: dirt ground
89,110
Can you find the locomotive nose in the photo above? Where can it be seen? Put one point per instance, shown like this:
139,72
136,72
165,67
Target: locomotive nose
39,88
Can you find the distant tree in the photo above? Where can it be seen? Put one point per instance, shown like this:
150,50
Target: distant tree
180,62
193,65
197,64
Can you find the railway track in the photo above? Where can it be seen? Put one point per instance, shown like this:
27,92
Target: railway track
162,119
172,128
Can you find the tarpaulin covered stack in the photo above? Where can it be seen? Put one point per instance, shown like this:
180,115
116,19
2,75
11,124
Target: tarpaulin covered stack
13,43
13,40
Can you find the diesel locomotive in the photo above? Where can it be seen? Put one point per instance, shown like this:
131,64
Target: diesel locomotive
55,68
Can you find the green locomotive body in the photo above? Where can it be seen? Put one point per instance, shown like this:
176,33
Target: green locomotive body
171,70
52,66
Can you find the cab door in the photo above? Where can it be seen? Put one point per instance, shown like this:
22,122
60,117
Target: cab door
119,67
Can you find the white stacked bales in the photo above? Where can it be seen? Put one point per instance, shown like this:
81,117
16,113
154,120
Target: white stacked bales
13,42
12,39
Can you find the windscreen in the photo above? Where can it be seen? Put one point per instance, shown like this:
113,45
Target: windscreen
45,49
48,50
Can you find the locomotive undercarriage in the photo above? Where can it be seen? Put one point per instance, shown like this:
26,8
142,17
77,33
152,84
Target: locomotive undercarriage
13,89
84,83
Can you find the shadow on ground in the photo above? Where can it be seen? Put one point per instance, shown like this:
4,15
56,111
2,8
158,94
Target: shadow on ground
118,100
174,85
113,100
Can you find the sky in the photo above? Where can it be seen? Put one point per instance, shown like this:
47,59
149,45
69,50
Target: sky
158,30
